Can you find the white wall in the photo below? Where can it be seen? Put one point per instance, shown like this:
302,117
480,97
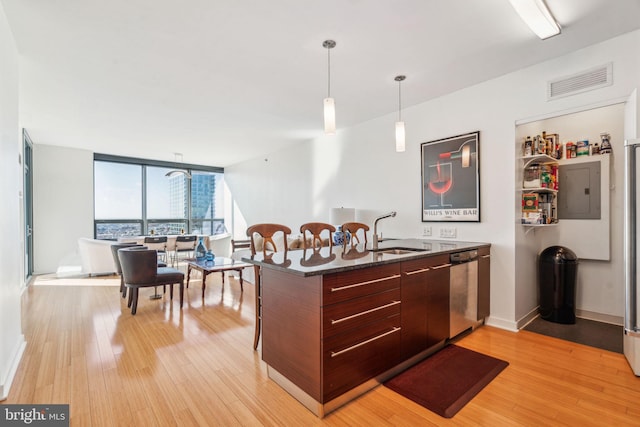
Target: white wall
11,339
359,167
62,204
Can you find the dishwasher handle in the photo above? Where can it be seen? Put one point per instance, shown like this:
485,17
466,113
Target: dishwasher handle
466,256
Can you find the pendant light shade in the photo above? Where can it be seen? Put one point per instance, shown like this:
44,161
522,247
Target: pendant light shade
329,116
329,103
400,145
400,135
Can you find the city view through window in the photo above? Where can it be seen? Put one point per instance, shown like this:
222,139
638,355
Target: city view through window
135,199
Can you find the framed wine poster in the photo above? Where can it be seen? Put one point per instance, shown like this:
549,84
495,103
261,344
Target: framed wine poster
451,179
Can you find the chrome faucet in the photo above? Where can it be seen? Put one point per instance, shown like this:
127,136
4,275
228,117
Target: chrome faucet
375,228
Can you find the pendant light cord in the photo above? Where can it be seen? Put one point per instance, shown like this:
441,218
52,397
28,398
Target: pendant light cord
399,102
329,44
399,79
328,73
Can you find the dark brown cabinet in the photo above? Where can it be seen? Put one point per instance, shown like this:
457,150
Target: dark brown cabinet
325,335
361,327
425,303
484,283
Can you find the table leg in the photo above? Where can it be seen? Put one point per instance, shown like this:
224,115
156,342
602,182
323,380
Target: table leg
222,277
188,274
204,281
240,274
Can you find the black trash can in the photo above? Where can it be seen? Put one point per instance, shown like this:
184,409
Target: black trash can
557,274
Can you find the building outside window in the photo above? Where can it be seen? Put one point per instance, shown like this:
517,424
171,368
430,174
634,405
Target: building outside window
134,197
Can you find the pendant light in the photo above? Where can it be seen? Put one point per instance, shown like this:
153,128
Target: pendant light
400,145
176,172
329,104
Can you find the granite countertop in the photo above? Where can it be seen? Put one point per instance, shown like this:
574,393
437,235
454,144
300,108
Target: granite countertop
322,261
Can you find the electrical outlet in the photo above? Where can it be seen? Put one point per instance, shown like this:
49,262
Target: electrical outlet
448,232
426,231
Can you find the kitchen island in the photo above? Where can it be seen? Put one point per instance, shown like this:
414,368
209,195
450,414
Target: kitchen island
336,322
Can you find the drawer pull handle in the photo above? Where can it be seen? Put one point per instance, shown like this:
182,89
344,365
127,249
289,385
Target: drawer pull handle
422,270
441,266
368,282
360,344
486,256
362,313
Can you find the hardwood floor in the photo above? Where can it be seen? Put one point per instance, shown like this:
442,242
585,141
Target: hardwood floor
166,367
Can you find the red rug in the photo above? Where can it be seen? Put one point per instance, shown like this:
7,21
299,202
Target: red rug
447,380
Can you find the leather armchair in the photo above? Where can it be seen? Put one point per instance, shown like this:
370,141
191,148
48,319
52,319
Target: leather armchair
140,269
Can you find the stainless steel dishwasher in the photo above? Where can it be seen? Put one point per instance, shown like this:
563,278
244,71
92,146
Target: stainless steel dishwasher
463,292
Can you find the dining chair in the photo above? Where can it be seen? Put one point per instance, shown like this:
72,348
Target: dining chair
158,243
316,228
183,245
237,244
116,260
140,269
262,240
353,228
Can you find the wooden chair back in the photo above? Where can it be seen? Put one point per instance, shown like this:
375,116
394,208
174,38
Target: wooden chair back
353,228
267,232
316,228
237,244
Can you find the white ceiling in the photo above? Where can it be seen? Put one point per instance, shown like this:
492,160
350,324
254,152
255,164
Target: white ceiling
224,81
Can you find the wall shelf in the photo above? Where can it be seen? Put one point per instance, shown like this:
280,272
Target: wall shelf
538,190
534,227
537,159
539,203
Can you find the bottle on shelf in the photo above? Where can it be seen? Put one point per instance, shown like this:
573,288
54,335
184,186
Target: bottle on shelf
605,146
528,147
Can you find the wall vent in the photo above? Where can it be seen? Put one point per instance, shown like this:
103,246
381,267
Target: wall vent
584,81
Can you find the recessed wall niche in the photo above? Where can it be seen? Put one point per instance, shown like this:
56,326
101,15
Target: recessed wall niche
588,234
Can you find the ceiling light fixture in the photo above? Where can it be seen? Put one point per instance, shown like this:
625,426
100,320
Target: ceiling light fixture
400,137
329,104
537,16
176,172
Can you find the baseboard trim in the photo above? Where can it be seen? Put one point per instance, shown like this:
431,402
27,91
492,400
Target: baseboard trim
13,368
528,318
599,317
501,323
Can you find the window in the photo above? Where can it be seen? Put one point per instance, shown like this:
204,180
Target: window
207,203
134,197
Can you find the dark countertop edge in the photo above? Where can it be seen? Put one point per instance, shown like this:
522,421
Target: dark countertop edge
395,243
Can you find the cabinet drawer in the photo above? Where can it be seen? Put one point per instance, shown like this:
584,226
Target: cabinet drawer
419,265
357,312
359,355
339,287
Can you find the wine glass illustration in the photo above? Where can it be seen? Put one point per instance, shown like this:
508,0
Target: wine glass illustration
440,181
